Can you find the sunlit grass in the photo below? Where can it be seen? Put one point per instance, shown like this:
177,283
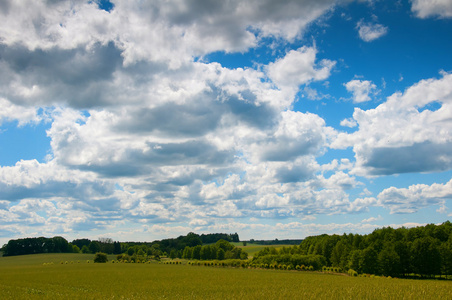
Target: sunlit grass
252,249
31,279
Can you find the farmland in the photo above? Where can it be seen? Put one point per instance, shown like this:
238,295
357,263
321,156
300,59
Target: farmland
71,276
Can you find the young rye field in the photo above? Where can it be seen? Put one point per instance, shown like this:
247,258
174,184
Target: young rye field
26,277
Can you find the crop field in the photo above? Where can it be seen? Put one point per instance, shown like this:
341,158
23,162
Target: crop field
35,277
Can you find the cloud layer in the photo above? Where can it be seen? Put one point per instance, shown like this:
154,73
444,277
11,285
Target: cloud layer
147,137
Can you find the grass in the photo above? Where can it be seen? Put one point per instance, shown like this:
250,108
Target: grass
26,277
252,249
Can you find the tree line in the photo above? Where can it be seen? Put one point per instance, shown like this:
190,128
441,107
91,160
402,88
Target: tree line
173,247
219,251
402,252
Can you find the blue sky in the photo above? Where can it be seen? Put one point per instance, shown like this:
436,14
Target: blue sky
273,119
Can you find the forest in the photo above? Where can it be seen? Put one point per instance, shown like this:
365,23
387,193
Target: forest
425,251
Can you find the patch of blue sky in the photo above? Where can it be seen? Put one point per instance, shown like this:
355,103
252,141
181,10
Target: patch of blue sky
406,179
331,154
106,5
407,53
268,50
23,143
118,187
85,114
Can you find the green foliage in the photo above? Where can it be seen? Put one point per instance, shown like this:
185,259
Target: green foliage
390,252
100,257
75,249
220,254
426,256
94,247
56,244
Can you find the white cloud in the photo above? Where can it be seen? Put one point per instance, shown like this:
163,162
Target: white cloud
145,135
431,8
12,112
372,219
361,90
415,197
369,32
348,123
170,31
403,135
299,67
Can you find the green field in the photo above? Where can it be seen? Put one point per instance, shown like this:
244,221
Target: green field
252,249
25,277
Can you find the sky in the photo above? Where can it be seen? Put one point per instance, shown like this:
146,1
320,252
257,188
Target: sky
143,120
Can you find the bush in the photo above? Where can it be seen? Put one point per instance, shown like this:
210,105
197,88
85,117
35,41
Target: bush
100,257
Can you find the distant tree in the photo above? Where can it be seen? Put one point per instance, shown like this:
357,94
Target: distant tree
339,255
75,249
60,243
188,253
197,252
116,248
100,257
368,263
426,256
106,245
173,254
131,251
244,243
446,257
403,251
220,254
94,247
355,259
235,237
81,242
225,245
85,249
389,262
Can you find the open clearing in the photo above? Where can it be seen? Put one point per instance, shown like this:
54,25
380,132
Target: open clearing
252,248
26,277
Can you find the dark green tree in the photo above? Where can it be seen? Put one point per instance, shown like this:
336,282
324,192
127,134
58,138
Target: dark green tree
368,263
94,247
197,252
85,249
100,257
220,254
426,258
355,259
389,262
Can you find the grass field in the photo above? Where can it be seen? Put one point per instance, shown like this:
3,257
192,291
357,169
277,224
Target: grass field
25,277
252,249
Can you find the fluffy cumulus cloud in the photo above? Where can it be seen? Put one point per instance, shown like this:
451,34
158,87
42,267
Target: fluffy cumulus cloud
406,133
148,138
361,89
143,131
299,67
415,197
370,31
432,8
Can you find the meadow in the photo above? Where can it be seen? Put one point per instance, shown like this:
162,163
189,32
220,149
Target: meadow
57,276
252,248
